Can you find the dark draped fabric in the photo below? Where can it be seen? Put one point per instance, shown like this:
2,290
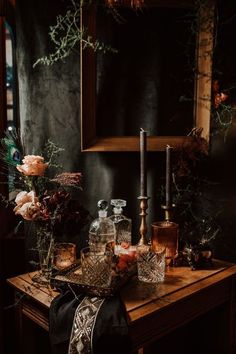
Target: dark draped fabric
61,317
110,332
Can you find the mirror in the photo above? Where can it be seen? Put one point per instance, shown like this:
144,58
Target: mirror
151,82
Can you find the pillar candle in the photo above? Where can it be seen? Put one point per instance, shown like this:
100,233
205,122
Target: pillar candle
143,170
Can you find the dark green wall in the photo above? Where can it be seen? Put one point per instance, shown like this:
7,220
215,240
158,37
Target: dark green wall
49,108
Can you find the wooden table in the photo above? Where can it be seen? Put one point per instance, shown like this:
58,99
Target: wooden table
161,316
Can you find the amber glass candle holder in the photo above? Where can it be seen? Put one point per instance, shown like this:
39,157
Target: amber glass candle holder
64,255
166,233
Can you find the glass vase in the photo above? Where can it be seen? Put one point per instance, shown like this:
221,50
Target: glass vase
45,249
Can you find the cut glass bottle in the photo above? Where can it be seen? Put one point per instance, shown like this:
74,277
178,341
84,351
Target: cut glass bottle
123,224
102,232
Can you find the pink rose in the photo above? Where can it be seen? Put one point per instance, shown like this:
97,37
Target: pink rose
27,205
33,166
24,197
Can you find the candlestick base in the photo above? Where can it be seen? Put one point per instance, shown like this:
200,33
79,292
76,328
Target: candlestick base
168,211
143,226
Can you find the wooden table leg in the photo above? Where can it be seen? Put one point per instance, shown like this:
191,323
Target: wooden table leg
233,317
18,323
25,329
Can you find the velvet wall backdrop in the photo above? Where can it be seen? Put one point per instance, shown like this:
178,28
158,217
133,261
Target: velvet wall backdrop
49,109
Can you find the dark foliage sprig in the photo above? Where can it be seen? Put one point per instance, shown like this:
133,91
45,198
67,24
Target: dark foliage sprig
66,35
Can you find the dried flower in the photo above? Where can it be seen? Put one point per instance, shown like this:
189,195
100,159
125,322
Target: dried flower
188,155
32,166
218,97
70,179
64,213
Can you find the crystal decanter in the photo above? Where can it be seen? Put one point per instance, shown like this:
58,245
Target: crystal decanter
123,225
102,232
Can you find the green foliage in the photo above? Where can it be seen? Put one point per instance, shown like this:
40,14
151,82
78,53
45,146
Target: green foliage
222,120
196,210
66,35
51,153
11,154
197,198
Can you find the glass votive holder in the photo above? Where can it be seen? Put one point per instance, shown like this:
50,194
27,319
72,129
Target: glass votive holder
96,267
166,234
64,255
151,264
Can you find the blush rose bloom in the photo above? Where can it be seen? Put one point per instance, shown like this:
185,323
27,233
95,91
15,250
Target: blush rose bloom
27,205
33,166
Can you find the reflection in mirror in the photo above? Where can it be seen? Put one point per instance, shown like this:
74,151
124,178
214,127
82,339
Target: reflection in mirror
10,78
11,109
150,80
159,80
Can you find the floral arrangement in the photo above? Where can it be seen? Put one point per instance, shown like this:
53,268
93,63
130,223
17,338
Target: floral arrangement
54,205
50,203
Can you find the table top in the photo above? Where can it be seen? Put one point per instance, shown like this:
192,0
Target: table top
140,297
153,309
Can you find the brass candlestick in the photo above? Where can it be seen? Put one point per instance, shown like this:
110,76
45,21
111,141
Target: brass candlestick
168,212
143,226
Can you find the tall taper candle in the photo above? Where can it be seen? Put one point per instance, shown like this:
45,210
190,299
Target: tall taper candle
168,177
143,170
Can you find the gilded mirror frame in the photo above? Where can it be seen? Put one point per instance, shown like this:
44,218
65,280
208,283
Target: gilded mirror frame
202,87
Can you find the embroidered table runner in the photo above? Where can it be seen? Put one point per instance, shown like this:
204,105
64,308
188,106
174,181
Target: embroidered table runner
88,325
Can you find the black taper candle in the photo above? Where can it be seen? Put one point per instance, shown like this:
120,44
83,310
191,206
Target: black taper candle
168,178
143,171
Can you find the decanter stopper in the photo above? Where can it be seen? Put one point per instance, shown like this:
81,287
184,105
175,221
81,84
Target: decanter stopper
102,208
118,205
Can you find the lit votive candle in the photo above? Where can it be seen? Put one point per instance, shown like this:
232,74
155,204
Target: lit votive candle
64,255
